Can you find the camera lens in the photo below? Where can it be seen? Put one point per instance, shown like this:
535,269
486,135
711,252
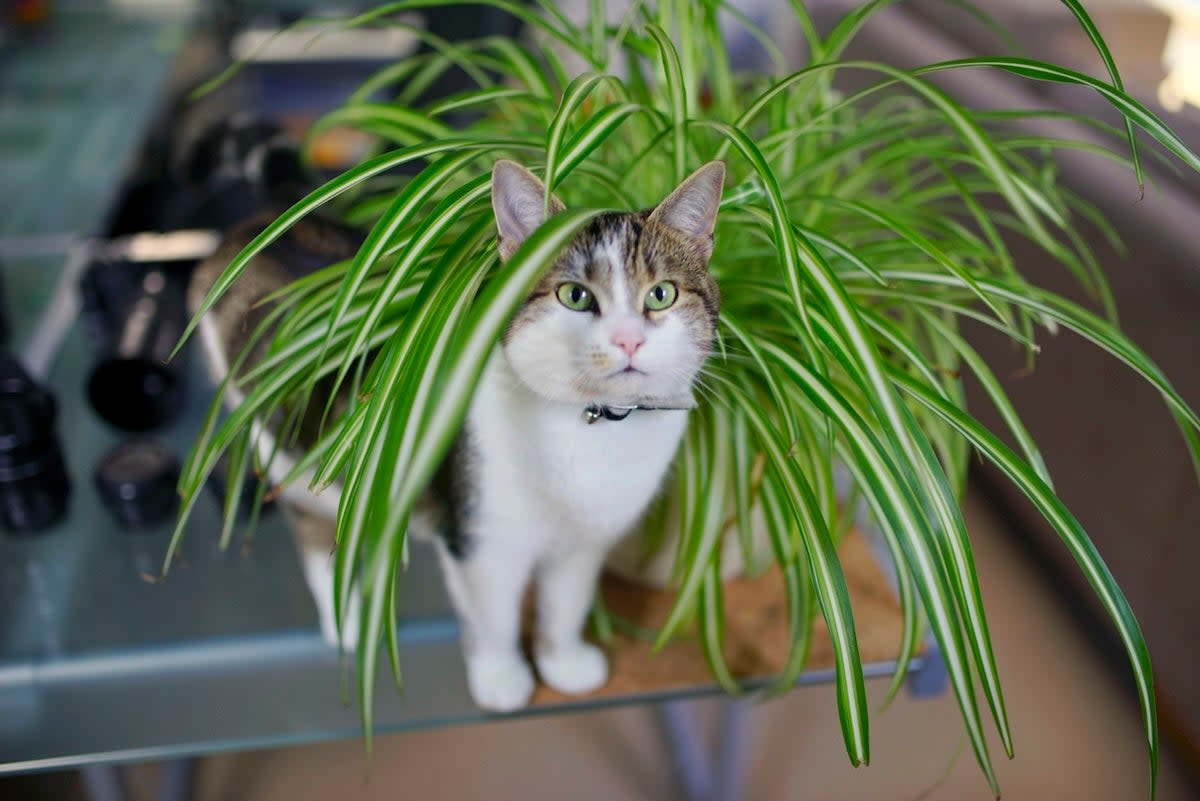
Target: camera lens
33,480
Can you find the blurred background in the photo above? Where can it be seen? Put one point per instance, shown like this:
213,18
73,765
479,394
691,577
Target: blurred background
99,138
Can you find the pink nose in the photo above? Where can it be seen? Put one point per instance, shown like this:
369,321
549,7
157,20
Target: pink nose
628,340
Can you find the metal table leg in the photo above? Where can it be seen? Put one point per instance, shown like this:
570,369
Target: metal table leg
107,782
177,780
703,775
682,732
733,755
103,783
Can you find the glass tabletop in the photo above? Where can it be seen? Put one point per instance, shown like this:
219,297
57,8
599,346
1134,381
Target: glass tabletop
100,655
101,660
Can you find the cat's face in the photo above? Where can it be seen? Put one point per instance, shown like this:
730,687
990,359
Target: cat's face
628,312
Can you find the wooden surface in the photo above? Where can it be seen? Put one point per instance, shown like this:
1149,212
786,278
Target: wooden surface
756,630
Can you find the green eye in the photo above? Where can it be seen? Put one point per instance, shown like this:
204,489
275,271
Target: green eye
576,297
661,296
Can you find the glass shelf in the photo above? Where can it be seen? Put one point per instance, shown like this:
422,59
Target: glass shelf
100,661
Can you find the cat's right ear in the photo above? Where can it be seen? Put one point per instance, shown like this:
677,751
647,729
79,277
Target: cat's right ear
518,200
691,210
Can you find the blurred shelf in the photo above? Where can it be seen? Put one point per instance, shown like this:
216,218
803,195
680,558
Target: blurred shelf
75,97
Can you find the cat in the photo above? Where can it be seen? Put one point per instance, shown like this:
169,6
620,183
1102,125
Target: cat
571,431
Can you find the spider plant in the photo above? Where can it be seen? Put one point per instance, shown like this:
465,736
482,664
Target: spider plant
857,231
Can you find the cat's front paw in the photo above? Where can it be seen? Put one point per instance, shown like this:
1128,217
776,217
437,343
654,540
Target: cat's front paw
499,682
573,669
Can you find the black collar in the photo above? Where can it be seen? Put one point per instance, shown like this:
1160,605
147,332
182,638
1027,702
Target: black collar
595,412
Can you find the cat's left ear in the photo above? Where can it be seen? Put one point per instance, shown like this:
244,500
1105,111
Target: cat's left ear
691,210
518,200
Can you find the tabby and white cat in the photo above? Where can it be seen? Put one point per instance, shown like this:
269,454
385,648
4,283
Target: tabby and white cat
551,468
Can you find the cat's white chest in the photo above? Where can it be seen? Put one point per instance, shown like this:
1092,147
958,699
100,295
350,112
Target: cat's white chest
545,473
602,475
